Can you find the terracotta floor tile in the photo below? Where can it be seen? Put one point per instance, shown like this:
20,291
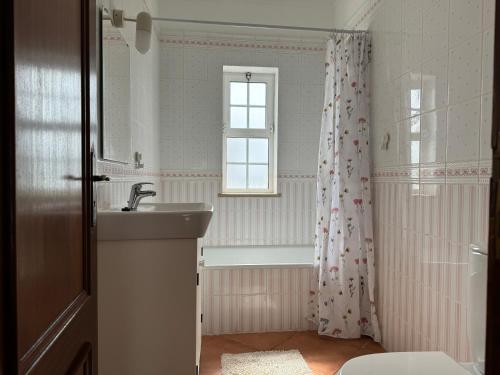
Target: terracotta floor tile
323,354
262,341
212,349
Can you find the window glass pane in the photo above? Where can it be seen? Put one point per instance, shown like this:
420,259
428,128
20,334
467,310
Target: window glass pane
236,150
238,93
257,177
258,150
257,94
236,176
257,118
238,117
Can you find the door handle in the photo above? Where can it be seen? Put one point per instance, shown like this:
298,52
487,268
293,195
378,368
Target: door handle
99,178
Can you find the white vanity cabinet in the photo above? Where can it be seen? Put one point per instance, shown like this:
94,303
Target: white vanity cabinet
149,304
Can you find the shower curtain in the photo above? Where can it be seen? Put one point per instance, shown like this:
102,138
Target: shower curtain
342,294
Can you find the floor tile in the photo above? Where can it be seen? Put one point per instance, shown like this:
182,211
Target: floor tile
324,355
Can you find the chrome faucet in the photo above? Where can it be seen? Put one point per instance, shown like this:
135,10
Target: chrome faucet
136,194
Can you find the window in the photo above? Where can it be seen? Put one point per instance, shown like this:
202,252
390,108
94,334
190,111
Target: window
250,130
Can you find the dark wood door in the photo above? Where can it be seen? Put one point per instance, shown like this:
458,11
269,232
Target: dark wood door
48,284
493,309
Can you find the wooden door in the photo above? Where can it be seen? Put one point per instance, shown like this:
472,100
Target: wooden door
48,259
493,309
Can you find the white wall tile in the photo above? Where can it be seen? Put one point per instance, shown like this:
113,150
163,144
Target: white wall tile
171,153
463,131
426,214
288,158
195,63
412,36
191,99
195,154
289,66
465,20
312,68
435,83
308,156
311,99
171,122
433,136
171,93
409,141
411,90
488,14
171,62
243,57
289,127
485,151
435,28
488,59
465,70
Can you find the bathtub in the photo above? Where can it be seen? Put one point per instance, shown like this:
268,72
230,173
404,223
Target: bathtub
256,288
258,256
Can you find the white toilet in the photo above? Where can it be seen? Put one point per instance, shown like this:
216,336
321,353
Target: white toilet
437,363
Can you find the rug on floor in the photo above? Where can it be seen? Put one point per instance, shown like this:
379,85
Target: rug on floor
265,363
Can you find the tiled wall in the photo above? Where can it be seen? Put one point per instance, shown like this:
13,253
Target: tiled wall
116,96
431,92
432,70
288,220
255,299
422,236
191,134
191,98
143,111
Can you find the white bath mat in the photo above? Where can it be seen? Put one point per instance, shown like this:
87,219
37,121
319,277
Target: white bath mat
288,362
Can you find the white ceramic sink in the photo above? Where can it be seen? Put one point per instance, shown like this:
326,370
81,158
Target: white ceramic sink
154,221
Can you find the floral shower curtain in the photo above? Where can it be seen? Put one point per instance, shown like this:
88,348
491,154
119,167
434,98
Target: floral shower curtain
342,293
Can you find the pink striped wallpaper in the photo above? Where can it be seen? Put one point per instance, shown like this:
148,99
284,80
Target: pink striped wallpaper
245,299
423,232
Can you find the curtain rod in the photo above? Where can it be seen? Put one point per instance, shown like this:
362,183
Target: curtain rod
252,25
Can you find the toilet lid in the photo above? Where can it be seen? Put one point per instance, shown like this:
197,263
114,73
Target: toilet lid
411,363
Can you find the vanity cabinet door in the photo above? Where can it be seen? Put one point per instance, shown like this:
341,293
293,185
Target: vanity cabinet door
199,312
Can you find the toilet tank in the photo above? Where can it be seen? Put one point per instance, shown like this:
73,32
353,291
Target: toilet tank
478,271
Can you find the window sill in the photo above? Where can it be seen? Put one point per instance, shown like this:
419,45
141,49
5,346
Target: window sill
250,195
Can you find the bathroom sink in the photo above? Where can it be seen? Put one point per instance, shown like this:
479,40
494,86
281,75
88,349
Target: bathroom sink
154,221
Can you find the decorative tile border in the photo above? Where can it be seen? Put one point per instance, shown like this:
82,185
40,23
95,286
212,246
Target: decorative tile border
127,170
467,172
124,170
216,174
195,174
113,38
214,42
435,173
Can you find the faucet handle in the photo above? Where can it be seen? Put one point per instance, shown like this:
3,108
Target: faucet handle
139,184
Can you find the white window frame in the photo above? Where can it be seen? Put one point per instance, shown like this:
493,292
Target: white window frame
270,77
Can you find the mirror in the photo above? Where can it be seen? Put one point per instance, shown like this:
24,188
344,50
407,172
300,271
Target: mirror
115,132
